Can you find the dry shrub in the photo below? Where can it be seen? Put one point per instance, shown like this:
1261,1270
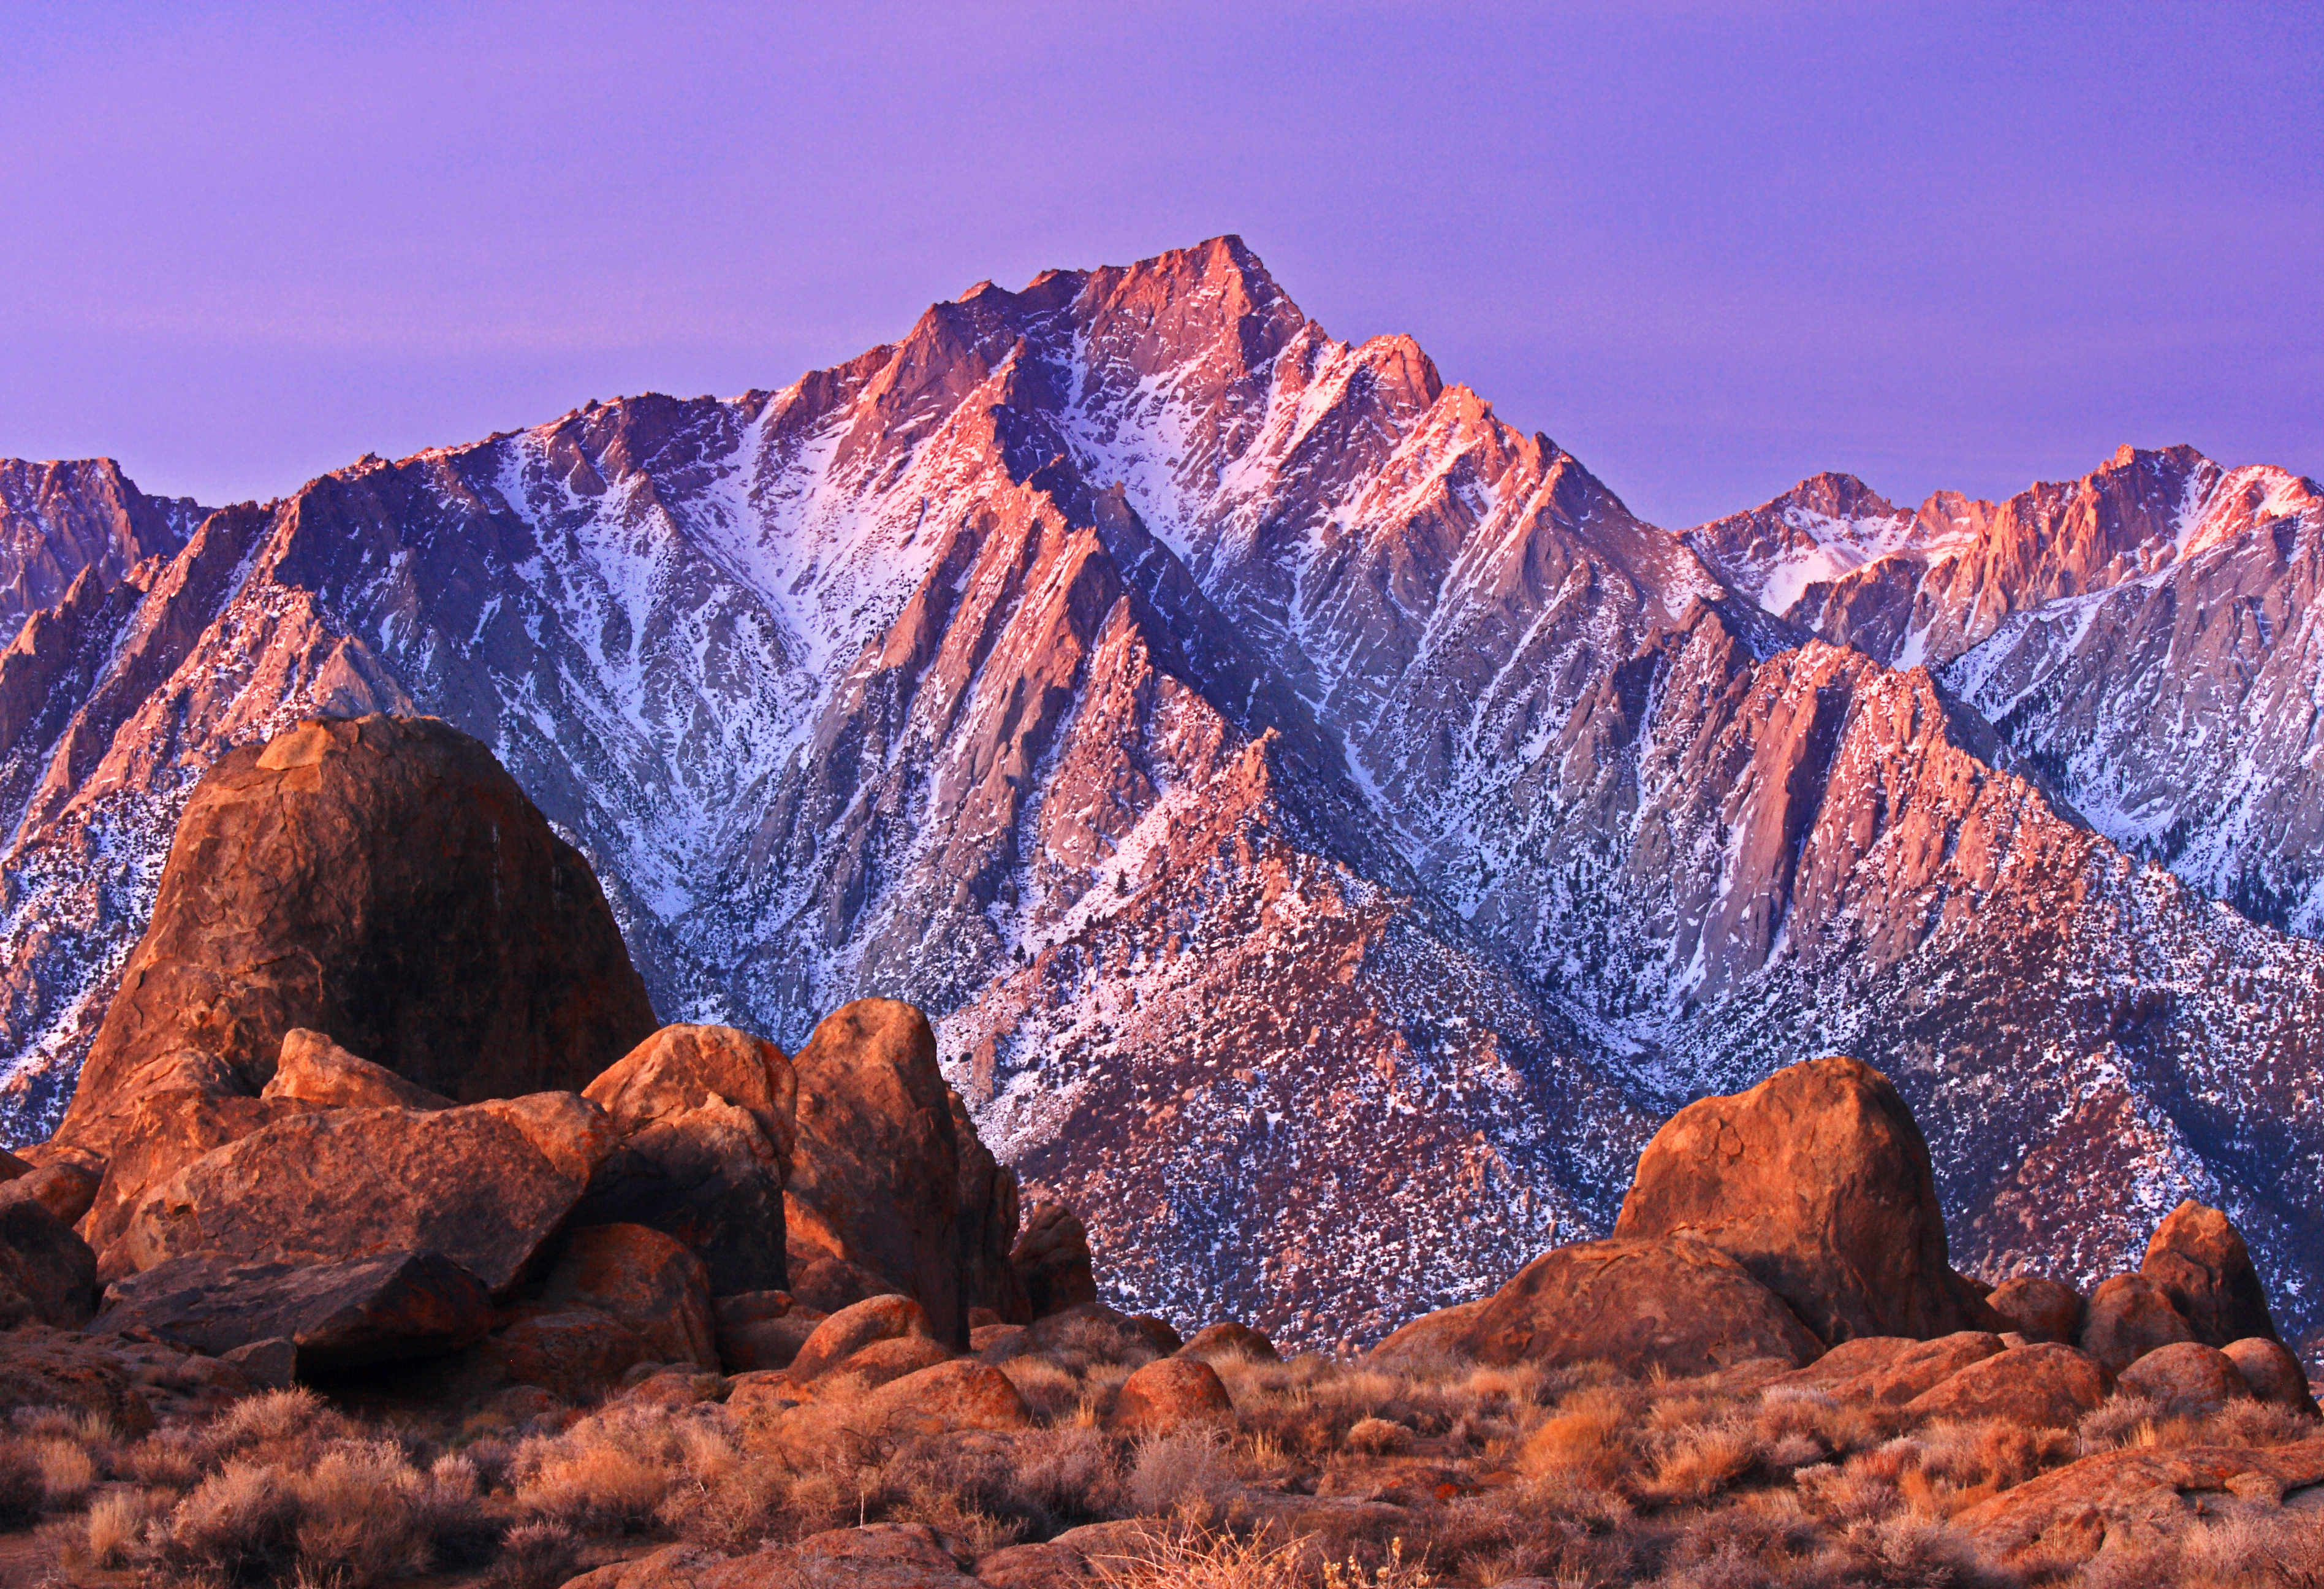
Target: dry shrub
1796,1425
1206,1559
167,1459
611,1471
1051,1391
1180,1472
2280,1550
117,1521
2253,1424
2119,1421
67,1473
22,1492
1586,1438
1378,1436
536,1554
1701,1461
359,1514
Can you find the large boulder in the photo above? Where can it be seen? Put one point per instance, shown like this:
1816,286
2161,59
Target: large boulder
1891,1370
2127,1317
351,1314
1676,1303
2042,1385
761,1330
2038,1309
1442,1334
2117,1499
646,1279
48,1275
384,883
875,1180
705,1121
42,1367
2196,1258
852,1329
1052,1260
314,1069
64,1187
2186,1379
486,1184
1169,1392
1818,1182
961,1394
2271,1373
161,1132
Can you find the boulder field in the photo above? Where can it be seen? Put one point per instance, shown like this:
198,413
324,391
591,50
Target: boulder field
381,1106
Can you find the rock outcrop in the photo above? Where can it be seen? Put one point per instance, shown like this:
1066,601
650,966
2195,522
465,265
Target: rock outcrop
876,1176
1817,1181
704,1118
2196,1258
342,1315
487,1186
2127,1317
1676,1302
381,881
48,1275
1052,1260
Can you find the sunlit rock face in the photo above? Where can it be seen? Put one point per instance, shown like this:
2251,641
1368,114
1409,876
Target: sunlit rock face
1328,829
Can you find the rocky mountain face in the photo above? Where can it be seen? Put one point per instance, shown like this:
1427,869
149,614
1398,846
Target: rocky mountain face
2144,635
1328,827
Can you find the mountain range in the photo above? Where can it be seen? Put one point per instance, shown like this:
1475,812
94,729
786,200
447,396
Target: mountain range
1329,828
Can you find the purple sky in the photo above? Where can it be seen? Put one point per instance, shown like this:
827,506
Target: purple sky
1710,248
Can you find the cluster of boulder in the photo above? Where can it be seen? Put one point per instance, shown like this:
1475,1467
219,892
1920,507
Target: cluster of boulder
381,1104
1790,1234
381,1094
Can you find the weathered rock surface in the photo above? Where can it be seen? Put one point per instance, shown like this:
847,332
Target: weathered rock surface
1892,1370
988,1214
2197,1260
961,1394
881,1361
2271,1373
876,1180
2130,1497
2127,1317
472,1183
2185,1379
165,1131
762,1330
1433,1334
2043,1385
1818,1182
1229,1340
850,1330
43,1367
2038,1309
64,1188
830,1284
650,1281
313,1069
1675,1301
1052,1260
48,1275
382,882
703,1117
351,1314
577,1353
1169,1394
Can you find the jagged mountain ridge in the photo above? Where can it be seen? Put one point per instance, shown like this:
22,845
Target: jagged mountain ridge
1329,826
2144,635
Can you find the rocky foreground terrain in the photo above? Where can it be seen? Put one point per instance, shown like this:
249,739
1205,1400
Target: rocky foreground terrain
1327,830
532,1293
